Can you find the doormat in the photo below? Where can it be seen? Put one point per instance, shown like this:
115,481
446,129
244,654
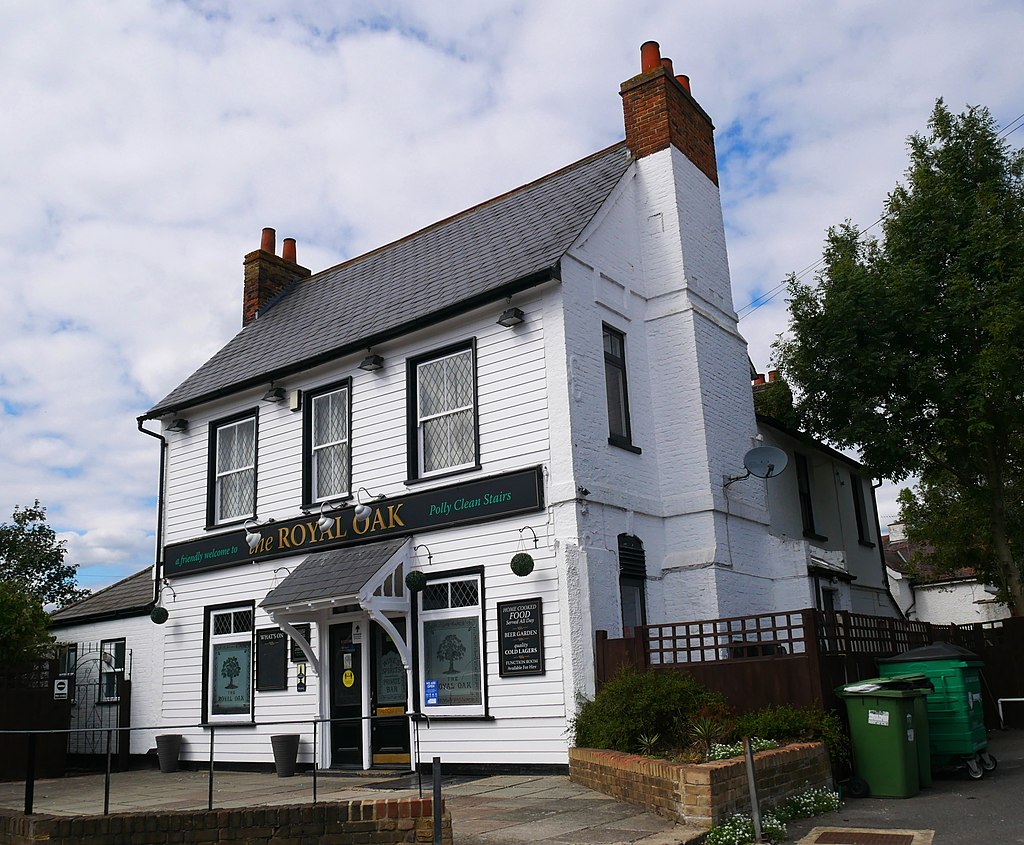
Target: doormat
861,836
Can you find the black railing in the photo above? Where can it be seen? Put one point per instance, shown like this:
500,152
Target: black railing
313,724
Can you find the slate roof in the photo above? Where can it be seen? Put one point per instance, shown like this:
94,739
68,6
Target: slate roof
481,255
131,596
333,574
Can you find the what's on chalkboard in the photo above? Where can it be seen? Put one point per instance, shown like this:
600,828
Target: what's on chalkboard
271,659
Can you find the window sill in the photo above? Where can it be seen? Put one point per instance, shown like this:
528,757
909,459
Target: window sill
313,508
810,535
409,482
213,526
867,544
622,443
205,725
426,717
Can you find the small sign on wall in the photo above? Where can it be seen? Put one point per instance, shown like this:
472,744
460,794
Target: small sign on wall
60,689
520,638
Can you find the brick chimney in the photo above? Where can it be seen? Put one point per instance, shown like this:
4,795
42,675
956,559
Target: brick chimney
659,110
266,275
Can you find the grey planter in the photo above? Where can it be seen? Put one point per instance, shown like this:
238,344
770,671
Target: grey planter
286,752
168,747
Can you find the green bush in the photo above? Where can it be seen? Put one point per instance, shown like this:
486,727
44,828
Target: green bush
637,706
786,722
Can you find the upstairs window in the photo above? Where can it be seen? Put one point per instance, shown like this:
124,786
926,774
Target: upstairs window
443,414
857,492
232,494
619,433
328,453
803,484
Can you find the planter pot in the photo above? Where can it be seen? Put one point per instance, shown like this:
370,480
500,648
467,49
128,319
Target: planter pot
168,746
286,751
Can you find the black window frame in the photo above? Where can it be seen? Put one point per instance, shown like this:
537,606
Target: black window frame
805,496
413,471
632,575
211,469
309,498
617,364
860,513
108,669
208,613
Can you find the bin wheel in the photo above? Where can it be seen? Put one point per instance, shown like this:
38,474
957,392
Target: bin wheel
988,761
974,769
858,788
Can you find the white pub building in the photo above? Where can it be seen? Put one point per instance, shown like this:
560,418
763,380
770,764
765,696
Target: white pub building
403,498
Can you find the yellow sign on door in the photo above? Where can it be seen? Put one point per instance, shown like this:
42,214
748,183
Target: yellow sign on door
348,678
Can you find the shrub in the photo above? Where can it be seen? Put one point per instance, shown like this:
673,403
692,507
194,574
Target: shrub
739,830
643,704
786,722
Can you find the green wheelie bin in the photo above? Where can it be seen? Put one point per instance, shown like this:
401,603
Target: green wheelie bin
881,713
956,720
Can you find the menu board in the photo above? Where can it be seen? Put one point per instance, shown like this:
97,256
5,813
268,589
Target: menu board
520,638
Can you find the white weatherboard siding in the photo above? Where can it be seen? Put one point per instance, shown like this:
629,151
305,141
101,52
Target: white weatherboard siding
529,714
144,640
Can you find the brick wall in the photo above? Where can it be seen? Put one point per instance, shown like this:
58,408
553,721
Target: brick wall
701,794
329,823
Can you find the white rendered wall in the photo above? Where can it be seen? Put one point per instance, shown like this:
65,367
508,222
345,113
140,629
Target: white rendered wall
144,639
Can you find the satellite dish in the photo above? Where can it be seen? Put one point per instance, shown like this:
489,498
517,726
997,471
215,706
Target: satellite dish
765,461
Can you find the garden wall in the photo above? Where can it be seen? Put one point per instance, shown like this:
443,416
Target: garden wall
702,794
329,823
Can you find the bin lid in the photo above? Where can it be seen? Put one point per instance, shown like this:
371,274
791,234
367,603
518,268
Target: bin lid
902,686
935,651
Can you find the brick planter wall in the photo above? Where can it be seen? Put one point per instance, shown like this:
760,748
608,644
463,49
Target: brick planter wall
329,823
702,794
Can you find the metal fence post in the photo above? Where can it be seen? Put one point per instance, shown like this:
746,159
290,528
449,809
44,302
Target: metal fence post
436,772
315,761
30,774
209,799
106,778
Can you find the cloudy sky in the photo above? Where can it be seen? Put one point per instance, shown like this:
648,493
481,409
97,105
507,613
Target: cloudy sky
145,144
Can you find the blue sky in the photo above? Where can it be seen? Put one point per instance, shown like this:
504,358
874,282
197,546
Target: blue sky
146,144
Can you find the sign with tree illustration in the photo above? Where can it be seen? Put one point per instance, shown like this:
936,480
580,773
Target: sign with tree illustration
232,678
451,652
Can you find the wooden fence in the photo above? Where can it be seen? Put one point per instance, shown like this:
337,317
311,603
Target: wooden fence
799,657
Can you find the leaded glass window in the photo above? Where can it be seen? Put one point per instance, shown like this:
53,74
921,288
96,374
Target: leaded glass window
329,444
446,412
235,485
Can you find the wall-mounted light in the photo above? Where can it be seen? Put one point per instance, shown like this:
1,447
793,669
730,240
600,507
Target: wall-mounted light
325,522
274,394
178,424
253,537
511,317
372,363
363,510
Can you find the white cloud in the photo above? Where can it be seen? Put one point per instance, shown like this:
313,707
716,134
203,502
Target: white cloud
146,145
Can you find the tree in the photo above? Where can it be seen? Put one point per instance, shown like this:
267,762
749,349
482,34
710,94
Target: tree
231,670
911,349
23,635
451,649
32,557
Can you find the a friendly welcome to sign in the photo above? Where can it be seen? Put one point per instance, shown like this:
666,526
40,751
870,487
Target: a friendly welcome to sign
430,510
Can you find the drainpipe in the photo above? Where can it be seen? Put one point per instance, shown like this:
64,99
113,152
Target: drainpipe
158,563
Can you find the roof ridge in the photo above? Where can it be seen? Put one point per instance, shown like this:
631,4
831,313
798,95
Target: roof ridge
101,591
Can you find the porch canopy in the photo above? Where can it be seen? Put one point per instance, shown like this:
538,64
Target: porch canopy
371,575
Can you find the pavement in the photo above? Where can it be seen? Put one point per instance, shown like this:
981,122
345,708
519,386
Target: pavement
519,809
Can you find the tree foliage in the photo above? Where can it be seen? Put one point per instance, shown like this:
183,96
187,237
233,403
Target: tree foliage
23,635
911,348
32,558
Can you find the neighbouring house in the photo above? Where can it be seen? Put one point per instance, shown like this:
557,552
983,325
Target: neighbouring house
110,654
398,504
957,598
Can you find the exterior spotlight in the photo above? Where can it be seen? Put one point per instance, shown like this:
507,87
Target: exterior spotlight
511,317
178,424
252,535
372,363
364,510
275,394
325,522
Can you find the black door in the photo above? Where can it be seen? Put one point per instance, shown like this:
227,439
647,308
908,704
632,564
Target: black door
389,730
346,698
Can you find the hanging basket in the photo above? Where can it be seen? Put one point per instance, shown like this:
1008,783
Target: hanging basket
522,564
415,581
158,615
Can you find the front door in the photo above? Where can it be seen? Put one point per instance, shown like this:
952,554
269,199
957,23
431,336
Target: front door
346,698
389,730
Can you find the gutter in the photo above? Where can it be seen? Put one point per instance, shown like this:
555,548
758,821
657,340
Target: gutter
158,562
